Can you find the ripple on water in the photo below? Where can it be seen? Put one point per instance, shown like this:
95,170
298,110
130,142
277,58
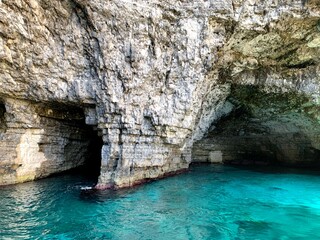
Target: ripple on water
209,202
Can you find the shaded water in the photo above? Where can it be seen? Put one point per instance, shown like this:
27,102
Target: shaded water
209,202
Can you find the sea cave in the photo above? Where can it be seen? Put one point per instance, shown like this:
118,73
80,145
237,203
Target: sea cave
159,120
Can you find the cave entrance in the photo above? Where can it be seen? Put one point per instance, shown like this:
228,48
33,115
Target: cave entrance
70,141
2,117
264,129
92,163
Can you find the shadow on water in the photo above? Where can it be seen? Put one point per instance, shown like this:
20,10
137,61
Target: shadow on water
269,169
273,169
94,195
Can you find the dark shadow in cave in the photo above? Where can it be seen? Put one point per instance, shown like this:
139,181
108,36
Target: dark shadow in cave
92,163
2,117
278,129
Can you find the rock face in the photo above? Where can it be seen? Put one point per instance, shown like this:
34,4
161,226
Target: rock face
150,77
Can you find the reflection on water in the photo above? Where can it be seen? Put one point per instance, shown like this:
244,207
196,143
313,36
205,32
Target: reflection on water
209,202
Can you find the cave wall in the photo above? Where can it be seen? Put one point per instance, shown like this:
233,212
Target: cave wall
157,73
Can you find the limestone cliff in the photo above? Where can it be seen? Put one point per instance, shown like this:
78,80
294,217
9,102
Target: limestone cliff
150,77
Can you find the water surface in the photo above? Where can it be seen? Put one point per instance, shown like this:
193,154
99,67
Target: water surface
209,202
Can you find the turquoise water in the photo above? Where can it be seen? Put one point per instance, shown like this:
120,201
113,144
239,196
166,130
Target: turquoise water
209,202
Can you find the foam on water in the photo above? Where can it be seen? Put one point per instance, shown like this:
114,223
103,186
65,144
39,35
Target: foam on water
209,202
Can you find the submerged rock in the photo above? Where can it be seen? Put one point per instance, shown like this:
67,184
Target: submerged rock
149,77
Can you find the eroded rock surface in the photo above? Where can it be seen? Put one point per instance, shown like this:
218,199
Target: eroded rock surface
150,76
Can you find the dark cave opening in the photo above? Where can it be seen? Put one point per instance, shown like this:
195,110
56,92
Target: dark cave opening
69,143
2,117
92,164
275,129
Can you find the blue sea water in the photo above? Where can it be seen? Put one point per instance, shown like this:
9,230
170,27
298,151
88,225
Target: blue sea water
208,202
